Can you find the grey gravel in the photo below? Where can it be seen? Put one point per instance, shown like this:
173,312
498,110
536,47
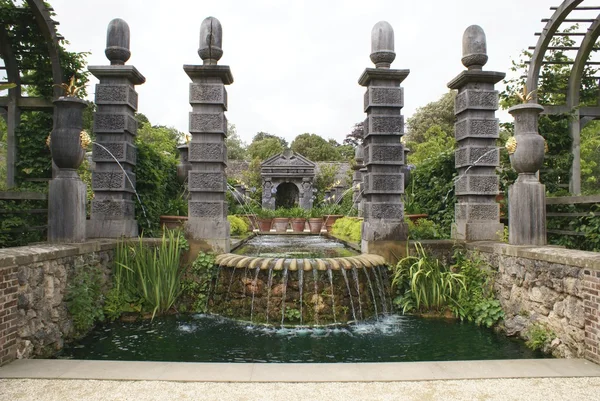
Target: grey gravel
494,389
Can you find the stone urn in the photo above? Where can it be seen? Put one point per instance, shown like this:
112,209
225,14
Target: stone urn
65,139
526,150
184,165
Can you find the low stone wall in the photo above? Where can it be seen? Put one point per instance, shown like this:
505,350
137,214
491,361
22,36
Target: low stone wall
33,282
553,287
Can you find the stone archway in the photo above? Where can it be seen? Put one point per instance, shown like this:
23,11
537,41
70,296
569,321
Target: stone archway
287,195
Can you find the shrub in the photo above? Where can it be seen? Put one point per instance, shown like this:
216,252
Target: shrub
84,297
424,229
539,336
197,283
348,228
237,225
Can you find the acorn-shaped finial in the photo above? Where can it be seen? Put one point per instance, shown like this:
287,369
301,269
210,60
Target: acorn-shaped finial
382,45
474,48
211,41
117,42
359,154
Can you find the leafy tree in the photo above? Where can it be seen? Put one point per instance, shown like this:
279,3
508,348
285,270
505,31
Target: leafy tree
264,148
440,113
355,137
315,148
236,148
264,135
435,141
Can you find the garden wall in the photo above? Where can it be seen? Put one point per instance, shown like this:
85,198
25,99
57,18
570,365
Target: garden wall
549,287
33,281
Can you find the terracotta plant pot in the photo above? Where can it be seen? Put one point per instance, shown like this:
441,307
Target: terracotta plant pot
264,224
172,222
298,224
280,224
415,217
315,223
252,221
329,220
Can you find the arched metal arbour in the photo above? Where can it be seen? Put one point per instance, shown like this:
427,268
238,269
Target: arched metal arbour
12,105
582,115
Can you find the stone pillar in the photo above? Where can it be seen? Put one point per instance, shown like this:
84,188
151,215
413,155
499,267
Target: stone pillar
115,127
477,214
383,228
66,192
527,196
207,182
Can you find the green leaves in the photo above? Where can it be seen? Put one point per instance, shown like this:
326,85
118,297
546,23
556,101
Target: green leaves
84,297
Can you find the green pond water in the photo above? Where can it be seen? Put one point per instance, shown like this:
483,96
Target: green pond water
208,338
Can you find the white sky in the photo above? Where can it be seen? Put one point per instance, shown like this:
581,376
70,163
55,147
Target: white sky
296,63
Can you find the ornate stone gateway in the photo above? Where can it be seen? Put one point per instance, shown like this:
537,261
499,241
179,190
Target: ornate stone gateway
287,181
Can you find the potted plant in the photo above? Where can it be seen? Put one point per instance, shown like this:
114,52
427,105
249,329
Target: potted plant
298,219
281,220
315,220
265,219
331,213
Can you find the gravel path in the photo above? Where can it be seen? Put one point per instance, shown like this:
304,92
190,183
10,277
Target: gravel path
578,389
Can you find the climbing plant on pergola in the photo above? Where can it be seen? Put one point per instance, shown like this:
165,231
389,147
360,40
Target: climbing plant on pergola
580,114
34,60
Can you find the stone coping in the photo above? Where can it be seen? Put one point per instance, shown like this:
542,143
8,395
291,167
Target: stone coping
265,263
552,254
297,372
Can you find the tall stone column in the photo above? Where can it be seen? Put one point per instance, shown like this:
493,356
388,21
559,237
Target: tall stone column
383,228
115,126
477,214
527,196
207,182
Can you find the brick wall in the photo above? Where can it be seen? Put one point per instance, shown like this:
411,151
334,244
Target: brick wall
591,307
8,313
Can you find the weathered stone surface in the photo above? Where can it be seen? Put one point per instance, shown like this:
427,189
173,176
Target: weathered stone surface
527,211
112,209
477,155
207,152
384,125
124,152
375,210
477,128
208,123
383,96
199,181
472,184
114,123
117,94
113,181
209,209
384,183
477,211
475,99
208,94
387,154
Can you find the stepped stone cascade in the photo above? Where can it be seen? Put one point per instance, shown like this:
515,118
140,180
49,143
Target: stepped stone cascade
527,196
207,181
115,127
383,229
477,214
300,291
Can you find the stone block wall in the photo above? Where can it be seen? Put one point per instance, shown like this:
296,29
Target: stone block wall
34,320
553,287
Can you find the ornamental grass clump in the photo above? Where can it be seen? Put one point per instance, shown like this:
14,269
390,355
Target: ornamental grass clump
151,273
424,284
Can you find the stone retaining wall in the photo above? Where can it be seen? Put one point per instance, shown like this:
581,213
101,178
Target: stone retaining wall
550,287
33,282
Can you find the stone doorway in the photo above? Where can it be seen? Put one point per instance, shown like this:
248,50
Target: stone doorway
287,195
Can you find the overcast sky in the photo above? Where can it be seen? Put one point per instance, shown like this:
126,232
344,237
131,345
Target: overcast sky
296,63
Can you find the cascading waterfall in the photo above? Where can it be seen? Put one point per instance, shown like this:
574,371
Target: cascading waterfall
300,289
316,296
355,277
283,293
269,285
254,288
349,294
372,293
330,274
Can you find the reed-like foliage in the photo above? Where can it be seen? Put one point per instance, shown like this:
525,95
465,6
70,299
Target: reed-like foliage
424,284
151,272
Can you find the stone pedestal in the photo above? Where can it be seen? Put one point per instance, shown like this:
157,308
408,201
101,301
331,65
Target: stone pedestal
207,223
527,211
66,208
477,214
527,196
384,229
114,151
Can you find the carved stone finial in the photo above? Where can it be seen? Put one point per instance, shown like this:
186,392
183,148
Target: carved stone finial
382,45
117,42
359,154
474,48
211,41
